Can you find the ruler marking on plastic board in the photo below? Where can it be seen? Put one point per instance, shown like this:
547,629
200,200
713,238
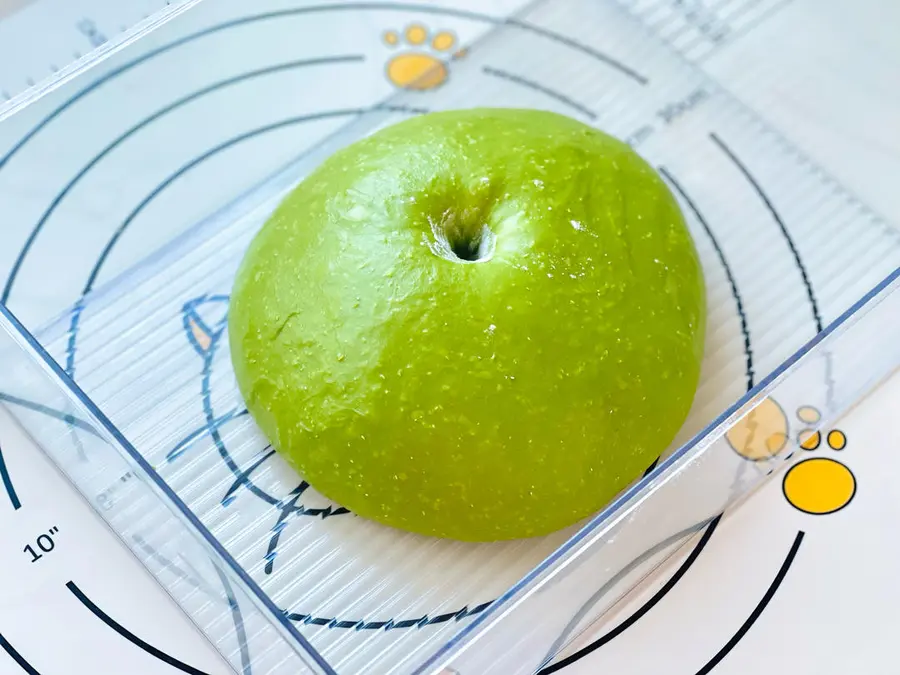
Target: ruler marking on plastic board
690,25
45,67
746,28
53,67
242,21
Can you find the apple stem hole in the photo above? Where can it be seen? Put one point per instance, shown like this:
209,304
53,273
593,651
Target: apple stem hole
467,249
458,244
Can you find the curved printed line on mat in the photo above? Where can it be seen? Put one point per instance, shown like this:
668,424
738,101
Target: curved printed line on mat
158,114
643,609
290,508
185,168
758,610
181,446
426,9
390,624
128,635
798,261
194,579
115,143
49,412
8,484
529,84
242,477
17,657
229,496
745,326
238,618
212,422
692,557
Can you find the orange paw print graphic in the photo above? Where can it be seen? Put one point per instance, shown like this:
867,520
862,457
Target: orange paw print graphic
816,485
761,434
424,66
819,485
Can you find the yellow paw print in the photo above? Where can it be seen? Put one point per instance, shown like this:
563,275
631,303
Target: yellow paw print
422,68
760,434
819,485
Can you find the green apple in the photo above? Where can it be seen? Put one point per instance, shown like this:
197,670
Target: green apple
475,324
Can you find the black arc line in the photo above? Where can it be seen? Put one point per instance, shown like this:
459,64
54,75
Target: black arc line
185,168
49,412
17,657
530,84
758,610
171,566
641,611
124,136
777,218
745,327
8,484
128,635
577,618
238,620
44,410
192,579
692,557
425,9
314,9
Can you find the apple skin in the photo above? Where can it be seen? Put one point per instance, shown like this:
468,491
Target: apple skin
500,398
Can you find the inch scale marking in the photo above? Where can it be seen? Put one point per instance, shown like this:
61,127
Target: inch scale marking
78,588
73,35
43,542
72,38
697,28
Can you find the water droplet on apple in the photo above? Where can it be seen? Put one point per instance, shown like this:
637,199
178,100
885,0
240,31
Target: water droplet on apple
538,183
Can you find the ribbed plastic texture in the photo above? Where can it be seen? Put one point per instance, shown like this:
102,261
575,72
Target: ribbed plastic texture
784,250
